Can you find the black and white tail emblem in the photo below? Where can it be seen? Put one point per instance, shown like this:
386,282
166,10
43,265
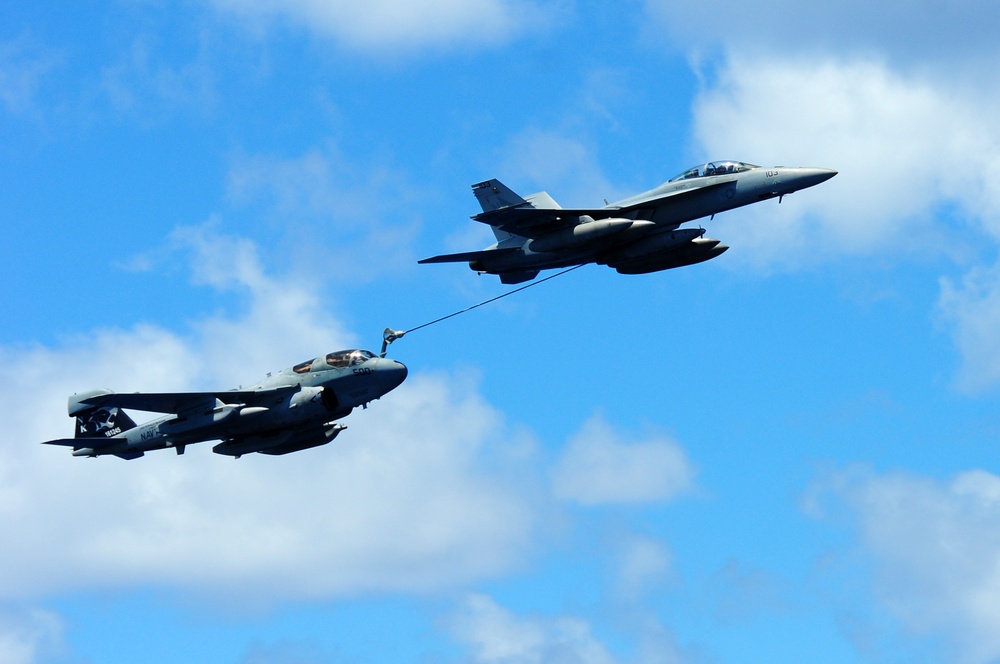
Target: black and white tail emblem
97,422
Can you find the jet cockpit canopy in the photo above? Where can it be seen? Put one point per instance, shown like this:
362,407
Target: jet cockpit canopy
337,360
713,168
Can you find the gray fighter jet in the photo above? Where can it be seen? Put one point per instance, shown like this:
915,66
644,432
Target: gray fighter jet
287,412
636,235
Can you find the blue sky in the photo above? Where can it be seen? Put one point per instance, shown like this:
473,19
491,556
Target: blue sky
786,454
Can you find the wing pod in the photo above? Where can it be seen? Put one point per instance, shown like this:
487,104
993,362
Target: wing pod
696,251
651,246
198,420
279,443
588,231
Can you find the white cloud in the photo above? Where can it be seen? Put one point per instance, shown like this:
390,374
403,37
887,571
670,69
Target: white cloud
28,635
905,147
497,636
942,35
644,563
744,593
970,307
914,142
598,467
429,488
289,319
23,68
144,82
411,497
935,546
559,162
331,213
394,26
288,651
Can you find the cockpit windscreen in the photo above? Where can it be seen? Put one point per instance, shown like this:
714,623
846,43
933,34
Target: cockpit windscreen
338,360
713,168
348,358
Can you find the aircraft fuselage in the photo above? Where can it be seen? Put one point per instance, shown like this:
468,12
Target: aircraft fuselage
637,234
289,411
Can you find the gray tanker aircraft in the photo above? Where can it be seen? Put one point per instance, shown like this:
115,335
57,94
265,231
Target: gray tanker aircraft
287,412
636,235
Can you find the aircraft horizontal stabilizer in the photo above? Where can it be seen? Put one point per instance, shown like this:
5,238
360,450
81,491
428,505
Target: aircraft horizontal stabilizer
83,447
66,442
469,256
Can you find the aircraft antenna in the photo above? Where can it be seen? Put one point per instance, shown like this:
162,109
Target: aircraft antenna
391,335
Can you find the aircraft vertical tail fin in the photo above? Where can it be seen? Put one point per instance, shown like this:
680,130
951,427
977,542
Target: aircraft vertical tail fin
495,195
502,235
543,201
97,421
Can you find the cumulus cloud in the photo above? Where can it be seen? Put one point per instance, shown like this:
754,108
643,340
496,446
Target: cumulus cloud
419,494
323,204
935,550
893,101
23,68
905,148
144,82
970,308
644,563
289,652
597,466
396,503
941,34
392,26
29,635
744,592
561,162
497,635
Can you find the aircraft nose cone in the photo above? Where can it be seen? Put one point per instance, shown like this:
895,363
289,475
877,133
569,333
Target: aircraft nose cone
393,372
810,177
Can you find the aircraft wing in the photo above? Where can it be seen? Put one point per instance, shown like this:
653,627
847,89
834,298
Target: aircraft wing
532,222
179,402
